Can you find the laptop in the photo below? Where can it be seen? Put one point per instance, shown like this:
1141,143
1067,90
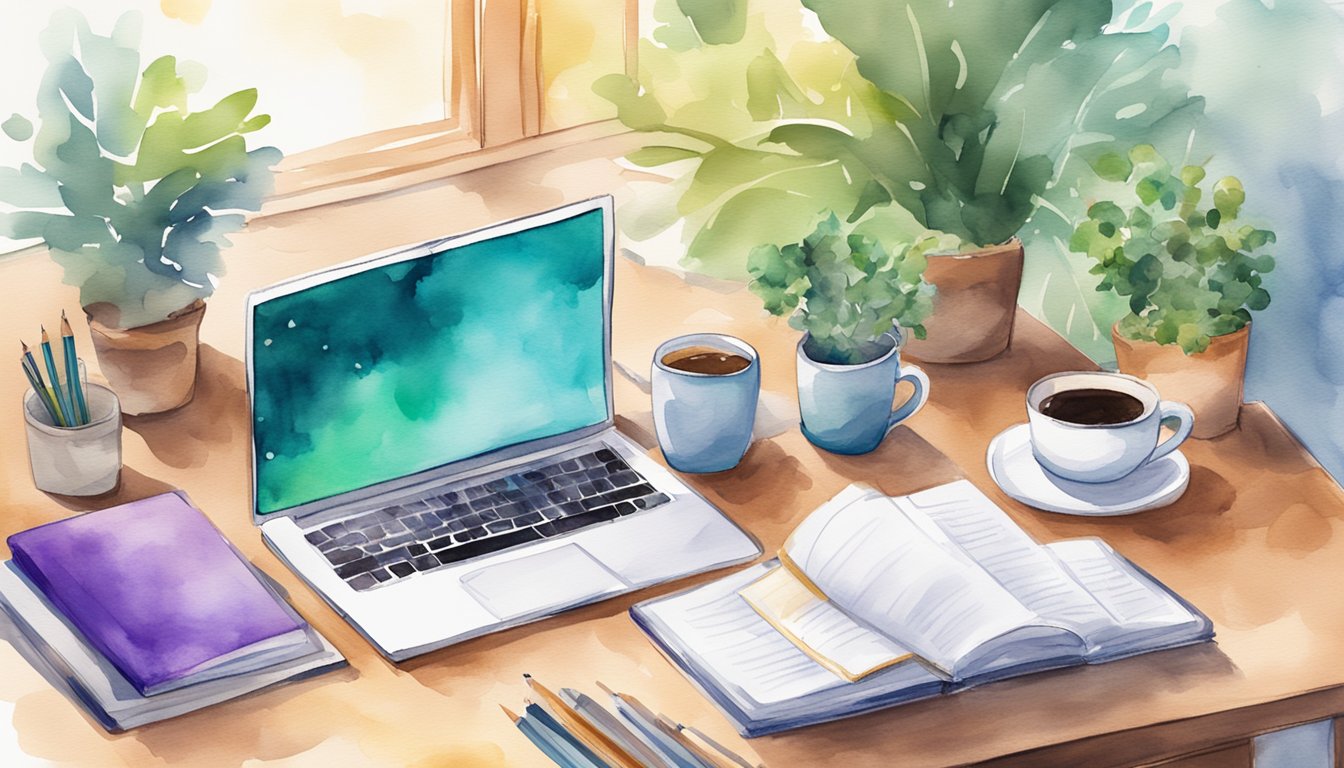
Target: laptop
433,445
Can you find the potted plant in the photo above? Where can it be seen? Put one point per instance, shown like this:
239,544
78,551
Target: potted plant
952,111
847,292
134,195
1192,274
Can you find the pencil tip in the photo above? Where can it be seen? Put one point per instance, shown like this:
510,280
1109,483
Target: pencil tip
605,689
526,676
509,712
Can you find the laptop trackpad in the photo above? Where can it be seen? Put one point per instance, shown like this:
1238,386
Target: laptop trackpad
541,584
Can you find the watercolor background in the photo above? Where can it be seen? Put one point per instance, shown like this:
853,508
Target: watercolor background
1271,71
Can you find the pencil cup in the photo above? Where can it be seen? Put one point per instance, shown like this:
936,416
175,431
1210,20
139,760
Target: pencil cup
75,461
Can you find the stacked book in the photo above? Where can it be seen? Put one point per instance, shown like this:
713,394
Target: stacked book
874,601
575,731
145,611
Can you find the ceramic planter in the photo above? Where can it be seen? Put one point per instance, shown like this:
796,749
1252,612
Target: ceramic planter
75,461
847,408
1210,382
152,368
973,312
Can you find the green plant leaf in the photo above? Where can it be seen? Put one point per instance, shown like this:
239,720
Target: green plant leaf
769,87
651,156
1228,195
640,111
716,21
1113,166
17,127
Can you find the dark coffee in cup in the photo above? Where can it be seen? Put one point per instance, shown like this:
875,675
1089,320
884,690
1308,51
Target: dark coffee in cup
1092,406
706,360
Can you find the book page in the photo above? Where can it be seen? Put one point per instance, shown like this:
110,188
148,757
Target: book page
903,577
822,631
738,657
1132,597
1014,559
746,651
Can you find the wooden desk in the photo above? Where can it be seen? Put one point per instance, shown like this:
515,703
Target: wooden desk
1256,542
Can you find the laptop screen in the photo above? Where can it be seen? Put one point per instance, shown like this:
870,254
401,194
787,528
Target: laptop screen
410,365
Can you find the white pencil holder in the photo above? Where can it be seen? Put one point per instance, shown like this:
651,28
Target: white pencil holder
75,461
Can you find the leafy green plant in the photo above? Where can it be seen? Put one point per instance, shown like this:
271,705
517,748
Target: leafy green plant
963,114
845,288
133,192
1189,271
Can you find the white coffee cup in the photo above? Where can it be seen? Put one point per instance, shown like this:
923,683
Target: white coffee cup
1100,453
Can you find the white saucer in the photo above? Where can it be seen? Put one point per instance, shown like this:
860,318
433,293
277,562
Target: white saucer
1018,474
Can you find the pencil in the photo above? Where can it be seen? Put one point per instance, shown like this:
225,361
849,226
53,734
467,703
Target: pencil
592,737
646,723
39,386
598,717
579,754
72,382
672,731
62,406
538,739
709,743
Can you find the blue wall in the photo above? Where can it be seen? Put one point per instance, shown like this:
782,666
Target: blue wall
1274,83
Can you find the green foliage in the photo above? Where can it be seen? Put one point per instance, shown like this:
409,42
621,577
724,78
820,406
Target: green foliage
133,193
966,115
1188,271
841,285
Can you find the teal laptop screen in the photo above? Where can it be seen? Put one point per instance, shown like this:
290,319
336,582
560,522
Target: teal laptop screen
409,366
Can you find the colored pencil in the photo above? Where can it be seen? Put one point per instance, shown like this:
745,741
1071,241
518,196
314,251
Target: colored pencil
579,754
72,380
598,717
593,738
540,740
39,386
711,744
62,405
646,723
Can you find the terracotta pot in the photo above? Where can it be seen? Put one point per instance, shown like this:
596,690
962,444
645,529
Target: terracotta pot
152,368
1210,382
973,312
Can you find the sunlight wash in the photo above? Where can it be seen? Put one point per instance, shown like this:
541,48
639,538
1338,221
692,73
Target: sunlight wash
424,339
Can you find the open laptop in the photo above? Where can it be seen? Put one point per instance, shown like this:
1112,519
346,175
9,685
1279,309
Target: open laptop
433,447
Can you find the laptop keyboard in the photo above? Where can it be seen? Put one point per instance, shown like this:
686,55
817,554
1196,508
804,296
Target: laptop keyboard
446,527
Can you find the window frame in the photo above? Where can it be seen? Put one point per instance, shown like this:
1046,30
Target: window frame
492,89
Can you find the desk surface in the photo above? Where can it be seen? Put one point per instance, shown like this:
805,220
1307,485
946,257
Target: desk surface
1256,543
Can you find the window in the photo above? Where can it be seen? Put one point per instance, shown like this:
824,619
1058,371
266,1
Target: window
361,91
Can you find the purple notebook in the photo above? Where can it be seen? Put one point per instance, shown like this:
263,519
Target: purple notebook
159,591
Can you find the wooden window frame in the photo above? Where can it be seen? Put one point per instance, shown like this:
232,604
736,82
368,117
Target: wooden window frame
493,89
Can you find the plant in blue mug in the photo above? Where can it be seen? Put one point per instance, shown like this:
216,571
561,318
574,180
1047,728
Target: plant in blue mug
848,291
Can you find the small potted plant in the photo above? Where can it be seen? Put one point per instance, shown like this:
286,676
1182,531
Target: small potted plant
134,195
847,292
1192,273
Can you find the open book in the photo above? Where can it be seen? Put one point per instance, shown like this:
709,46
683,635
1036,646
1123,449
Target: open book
876,600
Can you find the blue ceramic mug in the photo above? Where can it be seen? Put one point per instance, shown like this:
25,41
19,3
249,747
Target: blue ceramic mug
847,408
704,419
